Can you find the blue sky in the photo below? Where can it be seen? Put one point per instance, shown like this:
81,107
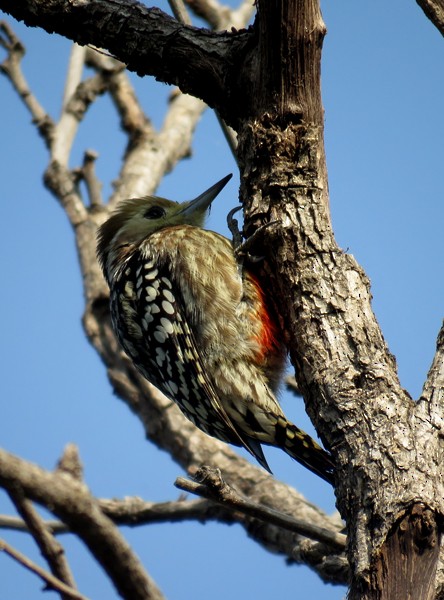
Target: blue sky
382,90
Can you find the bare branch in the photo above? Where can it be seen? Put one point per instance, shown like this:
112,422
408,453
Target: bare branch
77,98
92,182
11,67
434,10
182,16
49,579
292,385
209,10
71,501
63,183
50,548
148,161
70,462
179,11
17,524
66,128
272,534
211,485
134,512
230,135
220,16
133,119
75,72
242,15
147,40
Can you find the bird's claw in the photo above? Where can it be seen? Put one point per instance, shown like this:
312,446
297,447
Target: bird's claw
242,250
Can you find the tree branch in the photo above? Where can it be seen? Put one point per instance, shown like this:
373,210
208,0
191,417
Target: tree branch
434,10
78,97
343,366
220,16
147,40
11,67
209,484
135,512
49,579
59,488
133,119
180,12
209,10
93,184
71,501
17,524
50,548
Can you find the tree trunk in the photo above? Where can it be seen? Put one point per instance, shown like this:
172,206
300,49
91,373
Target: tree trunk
390,500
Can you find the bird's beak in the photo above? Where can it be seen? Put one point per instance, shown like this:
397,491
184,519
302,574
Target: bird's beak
202,202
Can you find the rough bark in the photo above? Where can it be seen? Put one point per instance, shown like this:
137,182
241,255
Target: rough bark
380,437
406,567
434,10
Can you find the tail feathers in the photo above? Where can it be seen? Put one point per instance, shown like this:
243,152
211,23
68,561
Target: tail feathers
297,444
254,447
300,446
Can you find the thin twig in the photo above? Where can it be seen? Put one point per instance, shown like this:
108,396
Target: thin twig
50,548
74,110
134,512
68,123
230,135
181,14
11,67
62,182
434,10
209,10
93,184
132,116
211,485
17,524
75,72
49,579
70,462
179,11
72,502
243,14
52,134
292,385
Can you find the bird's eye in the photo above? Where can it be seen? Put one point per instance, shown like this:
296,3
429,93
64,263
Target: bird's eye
154,212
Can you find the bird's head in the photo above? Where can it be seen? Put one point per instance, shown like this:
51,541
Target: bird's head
137,218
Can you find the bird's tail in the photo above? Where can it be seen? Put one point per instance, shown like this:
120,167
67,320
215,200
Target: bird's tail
300,446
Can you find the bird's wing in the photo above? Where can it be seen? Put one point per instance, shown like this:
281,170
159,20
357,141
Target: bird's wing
154,331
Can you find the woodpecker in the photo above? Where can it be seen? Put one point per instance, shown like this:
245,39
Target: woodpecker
196,324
